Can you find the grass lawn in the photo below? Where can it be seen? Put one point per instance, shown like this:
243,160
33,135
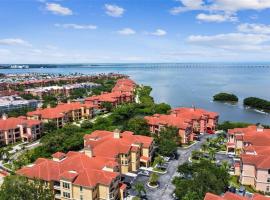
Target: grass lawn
234,182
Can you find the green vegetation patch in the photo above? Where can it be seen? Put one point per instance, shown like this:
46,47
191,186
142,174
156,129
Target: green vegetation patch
226,97
257,103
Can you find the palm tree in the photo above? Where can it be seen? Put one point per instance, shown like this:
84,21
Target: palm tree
225,165
204,147
139,187
212,154
159,160
153,180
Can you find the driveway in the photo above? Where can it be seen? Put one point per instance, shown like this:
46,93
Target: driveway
166,188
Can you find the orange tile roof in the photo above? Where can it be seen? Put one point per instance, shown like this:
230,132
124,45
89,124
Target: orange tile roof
259,161
260,197
12,123
169,120
58,111
210,196
77,167
232,196
104,144
124,85
195,112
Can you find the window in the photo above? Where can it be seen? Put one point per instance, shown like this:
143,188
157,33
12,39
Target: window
66,194
81,188
81,197
268,180
268,171
66,185
267,188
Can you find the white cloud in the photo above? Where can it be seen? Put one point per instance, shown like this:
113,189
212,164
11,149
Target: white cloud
58,9
256,43
114,10
228,39
221,5
228,8
216,17
254,28
159,32
14,41
77,26
126,31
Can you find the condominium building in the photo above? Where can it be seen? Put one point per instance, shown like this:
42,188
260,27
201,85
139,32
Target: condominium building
9,103
252,143
56,90
63,113
123,92
94,173
189,121
128,150
77,176
19,129
233,196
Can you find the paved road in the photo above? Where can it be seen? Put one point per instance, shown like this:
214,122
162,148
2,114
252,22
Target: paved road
166,188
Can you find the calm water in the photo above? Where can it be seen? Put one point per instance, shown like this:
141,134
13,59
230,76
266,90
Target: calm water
192,84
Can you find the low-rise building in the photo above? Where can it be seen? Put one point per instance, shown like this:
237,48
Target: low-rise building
19,129
56,90
189,121
63,113
252,143
128,150
9,103
123,92
94,173
77,175
233,196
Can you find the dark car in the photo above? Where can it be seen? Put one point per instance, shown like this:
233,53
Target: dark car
232,189
128,185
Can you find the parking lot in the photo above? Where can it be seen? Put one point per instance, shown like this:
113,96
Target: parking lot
166,188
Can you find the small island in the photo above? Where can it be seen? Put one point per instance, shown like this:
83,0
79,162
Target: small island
257,103
225,97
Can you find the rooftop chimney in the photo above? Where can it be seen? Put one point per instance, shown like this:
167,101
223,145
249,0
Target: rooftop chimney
116,134
4,116
88,151
260,128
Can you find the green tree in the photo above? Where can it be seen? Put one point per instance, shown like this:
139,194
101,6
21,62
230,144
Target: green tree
191,196
19,188
107,105
200,178
212,154
49,127
204,147
138,125
139,188
153,179
86,124
225,97
167,141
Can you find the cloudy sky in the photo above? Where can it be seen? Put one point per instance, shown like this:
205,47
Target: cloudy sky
85,31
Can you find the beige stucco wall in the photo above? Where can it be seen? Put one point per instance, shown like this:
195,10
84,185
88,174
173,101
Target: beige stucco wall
86,193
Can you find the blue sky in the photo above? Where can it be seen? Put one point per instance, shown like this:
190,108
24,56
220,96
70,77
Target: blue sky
87,31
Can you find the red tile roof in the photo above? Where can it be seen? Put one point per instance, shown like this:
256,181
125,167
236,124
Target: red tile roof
12,123
194,112
232,196
77,167
59,111
104,144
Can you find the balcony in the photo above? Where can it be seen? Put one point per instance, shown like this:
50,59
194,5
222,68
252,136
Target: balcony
56,187
57,196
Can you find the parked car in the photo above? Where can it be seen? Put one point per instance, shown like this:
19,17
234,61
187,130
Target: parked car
144,173
232,189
